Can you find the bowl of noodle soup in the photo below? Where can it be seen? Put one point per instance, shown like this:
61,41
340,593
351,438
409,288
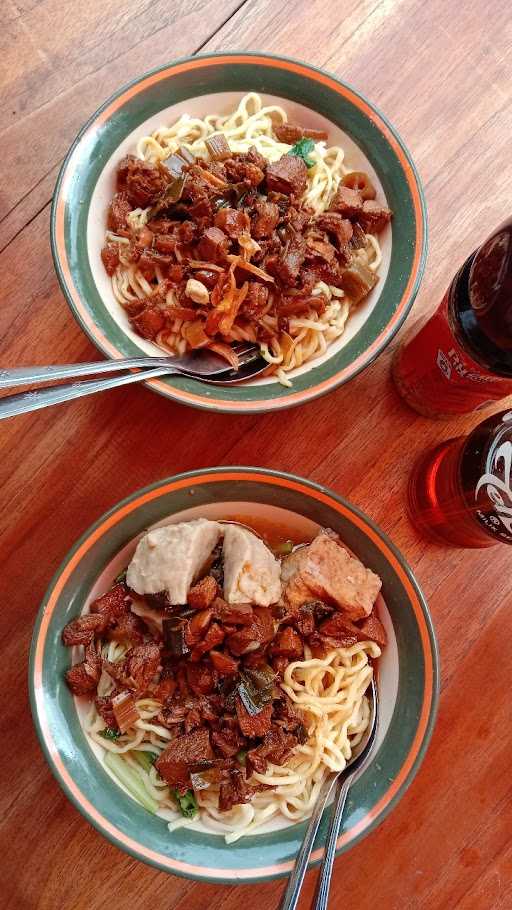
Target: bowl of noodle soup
244,97
211,847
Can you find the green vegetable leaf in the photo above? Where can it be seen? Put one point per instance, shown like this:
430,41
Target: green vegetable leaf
121,577
241,757
144,759
302,149
110,733
131,780
187,803
284,549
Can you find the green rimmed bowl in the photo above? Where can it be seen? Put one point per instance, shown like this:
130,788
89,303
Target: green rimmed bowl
408,671
214,83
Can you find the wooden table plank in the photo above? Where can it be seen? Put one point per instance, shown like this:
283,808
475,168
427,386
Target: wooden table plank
444,80
61,75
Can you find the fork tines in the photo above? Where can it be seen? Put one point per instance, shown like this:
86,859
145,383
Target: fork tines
247,351
244,347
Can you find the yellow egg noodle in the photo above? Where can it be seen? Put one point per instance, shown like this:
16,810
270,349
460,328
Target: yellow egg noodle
251,124
328,692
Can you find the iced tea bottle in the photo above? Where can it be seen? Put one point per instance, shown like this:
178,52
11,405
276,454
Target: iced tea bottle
461,359
460,492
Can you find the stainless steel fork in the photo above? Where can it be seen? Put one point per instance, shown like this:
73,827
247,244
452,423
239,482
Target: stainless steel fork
202,364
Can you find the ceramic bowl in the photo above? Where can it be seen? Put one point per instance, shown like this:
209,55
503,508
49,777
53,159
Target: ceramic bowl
407,671
215,83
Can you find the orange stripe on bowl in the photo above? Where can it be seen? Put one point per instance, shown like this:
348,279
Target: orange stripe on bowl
283,400
96,817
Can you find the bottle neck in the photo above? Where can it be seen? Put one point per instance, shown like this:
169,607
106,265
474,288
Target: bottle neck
469,331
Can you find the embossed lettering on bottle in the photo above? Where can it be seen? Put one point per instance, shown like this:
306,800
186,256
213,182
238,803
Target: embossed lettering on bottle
497,486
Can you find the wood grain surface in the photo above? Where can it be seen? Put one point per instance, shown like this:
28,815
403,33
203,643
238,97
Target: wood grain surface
442,73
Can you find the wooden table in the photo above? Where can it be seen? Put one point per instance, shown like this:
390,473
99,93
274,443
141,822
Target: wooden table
442,73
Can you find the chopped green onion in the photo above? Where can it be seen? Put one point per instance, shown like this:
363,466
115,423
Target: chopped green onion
131,780
302,149
145,759
110,733
187,803
121,577
284,549
241,757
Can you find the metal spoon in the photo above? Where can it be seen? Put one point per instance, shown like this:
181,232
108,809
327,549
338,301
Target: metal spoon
203,365
360,759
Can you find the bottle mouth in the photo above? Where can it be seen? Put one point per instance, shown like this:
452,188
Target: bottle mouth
490,289
488,272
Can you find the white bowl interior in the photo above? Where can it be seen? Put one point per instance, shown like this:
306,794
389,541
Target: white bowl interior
223,103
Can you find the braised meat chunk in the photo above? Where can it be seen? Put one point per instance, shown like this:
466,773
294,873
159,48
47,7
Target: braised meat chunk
289,175
374,217
84,677
277,746
118,210
265,219
113,604
81,631
347,203
288,265
128,628
183,755
233,222
288,643
253,725
357,281
203,593
341,630
105,709
255,301
110,257
214,245
234,790
336,226
292,133
149,322
372,629
141,664
228,742
259,632
142,181
240,169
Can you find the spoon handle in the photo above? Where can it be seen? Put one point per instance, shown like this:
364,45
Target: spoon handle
23,402
324,880
291,895
29,375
